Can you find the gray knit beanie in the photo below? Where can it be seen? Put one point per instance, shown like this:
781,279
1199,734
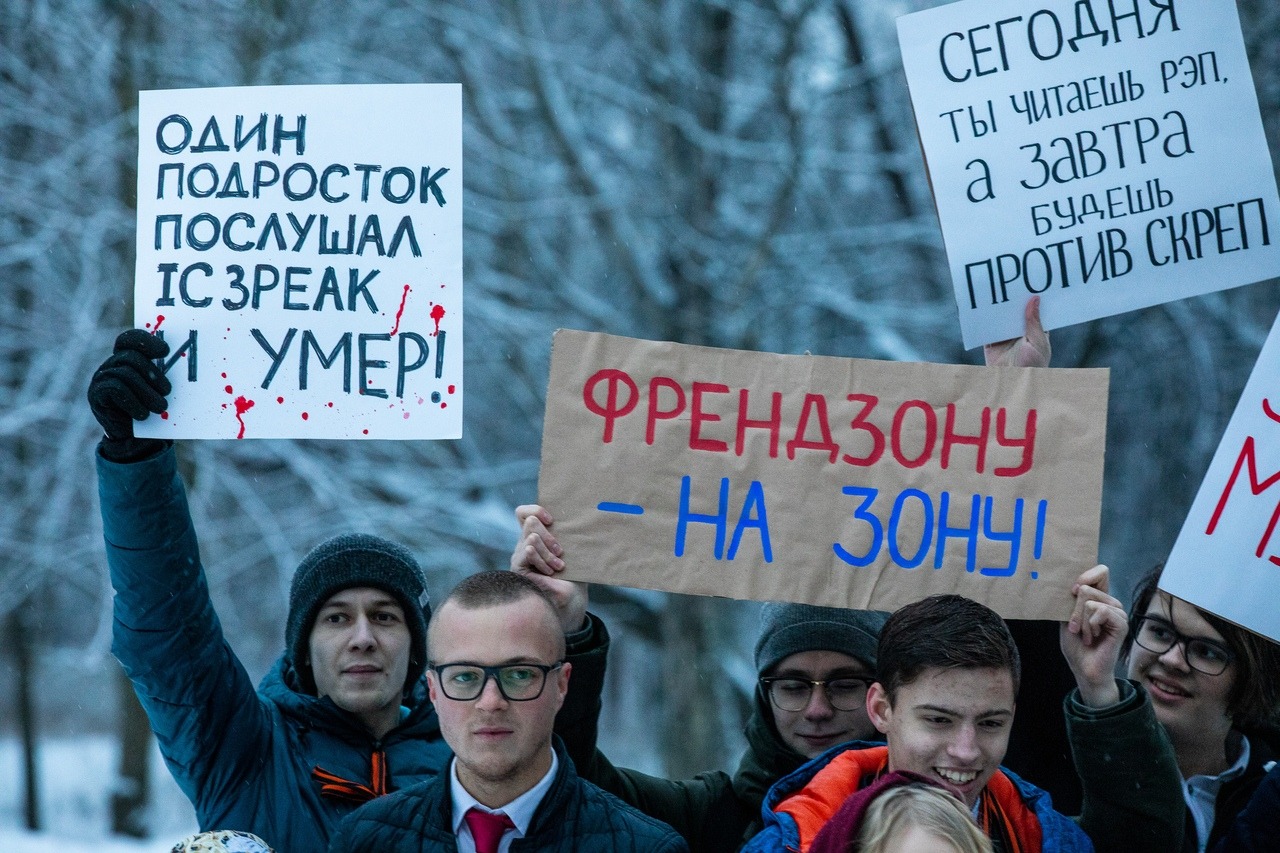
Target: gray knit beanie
792,628
355,560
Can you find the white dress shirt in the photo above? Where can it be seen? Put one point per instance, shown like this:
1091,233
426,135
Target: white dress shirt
520,810
1201,794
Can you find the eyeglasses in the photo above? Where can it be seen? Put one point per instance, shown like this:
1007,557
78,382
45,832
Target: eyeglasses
517,682
847,693
1157,635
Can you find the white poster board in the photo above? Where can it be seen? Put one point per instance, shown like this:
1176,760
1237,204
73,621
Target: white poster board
300,249
1107,156
1227,556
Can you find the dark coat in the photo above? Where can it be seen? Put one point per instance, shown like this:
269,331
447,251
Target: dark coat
243,757
574,815
715,812
1256,829
1233,797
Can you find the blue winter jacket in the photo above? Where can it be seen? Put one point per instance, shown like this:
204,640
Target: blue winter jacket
244,758
1059,833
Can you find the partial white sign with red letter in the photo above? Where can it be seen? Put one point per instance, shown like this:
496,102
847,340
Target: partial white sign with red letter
1227,557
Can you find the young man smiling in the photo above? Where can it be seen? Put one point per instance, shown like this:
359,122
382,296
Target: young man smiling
497,678
947,674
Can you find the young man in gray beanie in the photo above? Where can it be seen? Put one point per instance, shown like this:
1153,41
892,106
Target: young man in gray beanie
341,719
814,666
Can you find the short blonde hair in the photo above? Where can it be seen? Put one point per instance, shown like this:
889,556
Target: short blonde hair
926,806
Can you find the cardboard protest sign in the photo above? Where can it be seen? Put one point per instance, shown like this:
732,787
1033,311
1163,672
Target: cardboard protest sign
832,481
300,249
1109,156
1227,556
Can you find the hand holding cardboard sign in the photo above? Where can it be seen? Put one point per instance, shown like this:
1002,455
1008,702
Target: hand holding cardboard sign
537,557
1092,637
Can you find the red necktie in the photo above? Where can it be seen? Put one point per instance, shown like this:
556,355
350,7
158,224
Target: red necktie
487,828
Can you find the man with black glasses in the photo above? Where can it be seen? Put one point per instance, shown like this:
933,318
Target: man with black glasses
497,676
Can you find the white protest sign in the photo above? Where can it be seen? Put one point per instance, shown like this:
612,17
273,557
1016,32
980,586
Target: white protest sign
1227,556
1107,155
300,249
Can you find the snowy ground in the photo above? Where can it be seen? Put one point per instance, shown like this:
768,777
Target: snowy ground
77,776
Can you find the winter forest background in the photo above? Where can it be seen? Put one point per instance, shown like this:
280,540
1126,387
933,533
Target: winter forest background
740,173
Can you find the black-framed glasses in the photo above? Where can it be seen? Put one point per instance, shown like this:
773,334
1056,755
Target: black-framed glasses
1158,635
517,682
787,693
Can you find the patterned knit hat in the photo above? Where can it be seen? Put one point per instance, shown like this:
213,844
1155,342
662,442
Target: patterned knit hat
355,560
222,841
793,628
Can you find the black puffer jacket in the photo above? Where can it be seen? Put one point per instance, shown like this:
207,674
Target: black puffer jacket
573,816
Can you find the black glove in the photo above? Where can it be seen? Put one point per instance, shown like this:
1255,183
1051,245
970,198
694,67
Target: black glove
127,387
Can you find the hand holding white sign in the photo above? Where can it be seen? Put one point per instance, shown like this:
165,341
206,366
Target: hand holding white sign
1107,156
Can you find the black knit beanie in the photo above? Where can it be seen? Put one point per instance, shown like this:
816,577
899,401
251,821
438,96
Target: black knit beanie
793,628
347,561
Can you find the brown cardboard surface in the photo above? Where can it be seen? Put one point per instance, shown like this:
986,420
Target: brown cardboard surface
639,423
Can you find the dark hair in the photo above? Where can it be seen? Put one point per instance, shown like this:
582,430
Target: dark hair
944,632
1254,698
494,589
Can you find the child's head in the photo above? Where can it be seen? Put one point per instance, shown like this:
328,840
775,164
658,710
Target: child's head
919,818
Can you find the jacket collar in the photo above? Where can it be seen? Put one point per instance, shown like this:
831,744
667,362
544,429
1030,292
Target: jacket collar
279,686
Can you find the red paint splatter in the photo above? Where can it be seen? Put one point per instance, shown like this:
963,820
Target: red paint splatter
242,406
156,327
330,405
406,416
230,390
305,416
164,416
365,431
437,314
279,399
224,376
452,388
400,311
444,405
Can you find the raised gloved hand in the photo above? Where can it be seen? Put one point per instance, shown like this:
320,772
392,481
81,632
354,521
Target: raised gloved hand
127,387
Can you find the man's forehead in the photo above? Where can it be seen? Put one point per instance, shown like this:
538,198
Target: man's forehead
961,691
499,628
360,596
820,663
939,704
820,673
